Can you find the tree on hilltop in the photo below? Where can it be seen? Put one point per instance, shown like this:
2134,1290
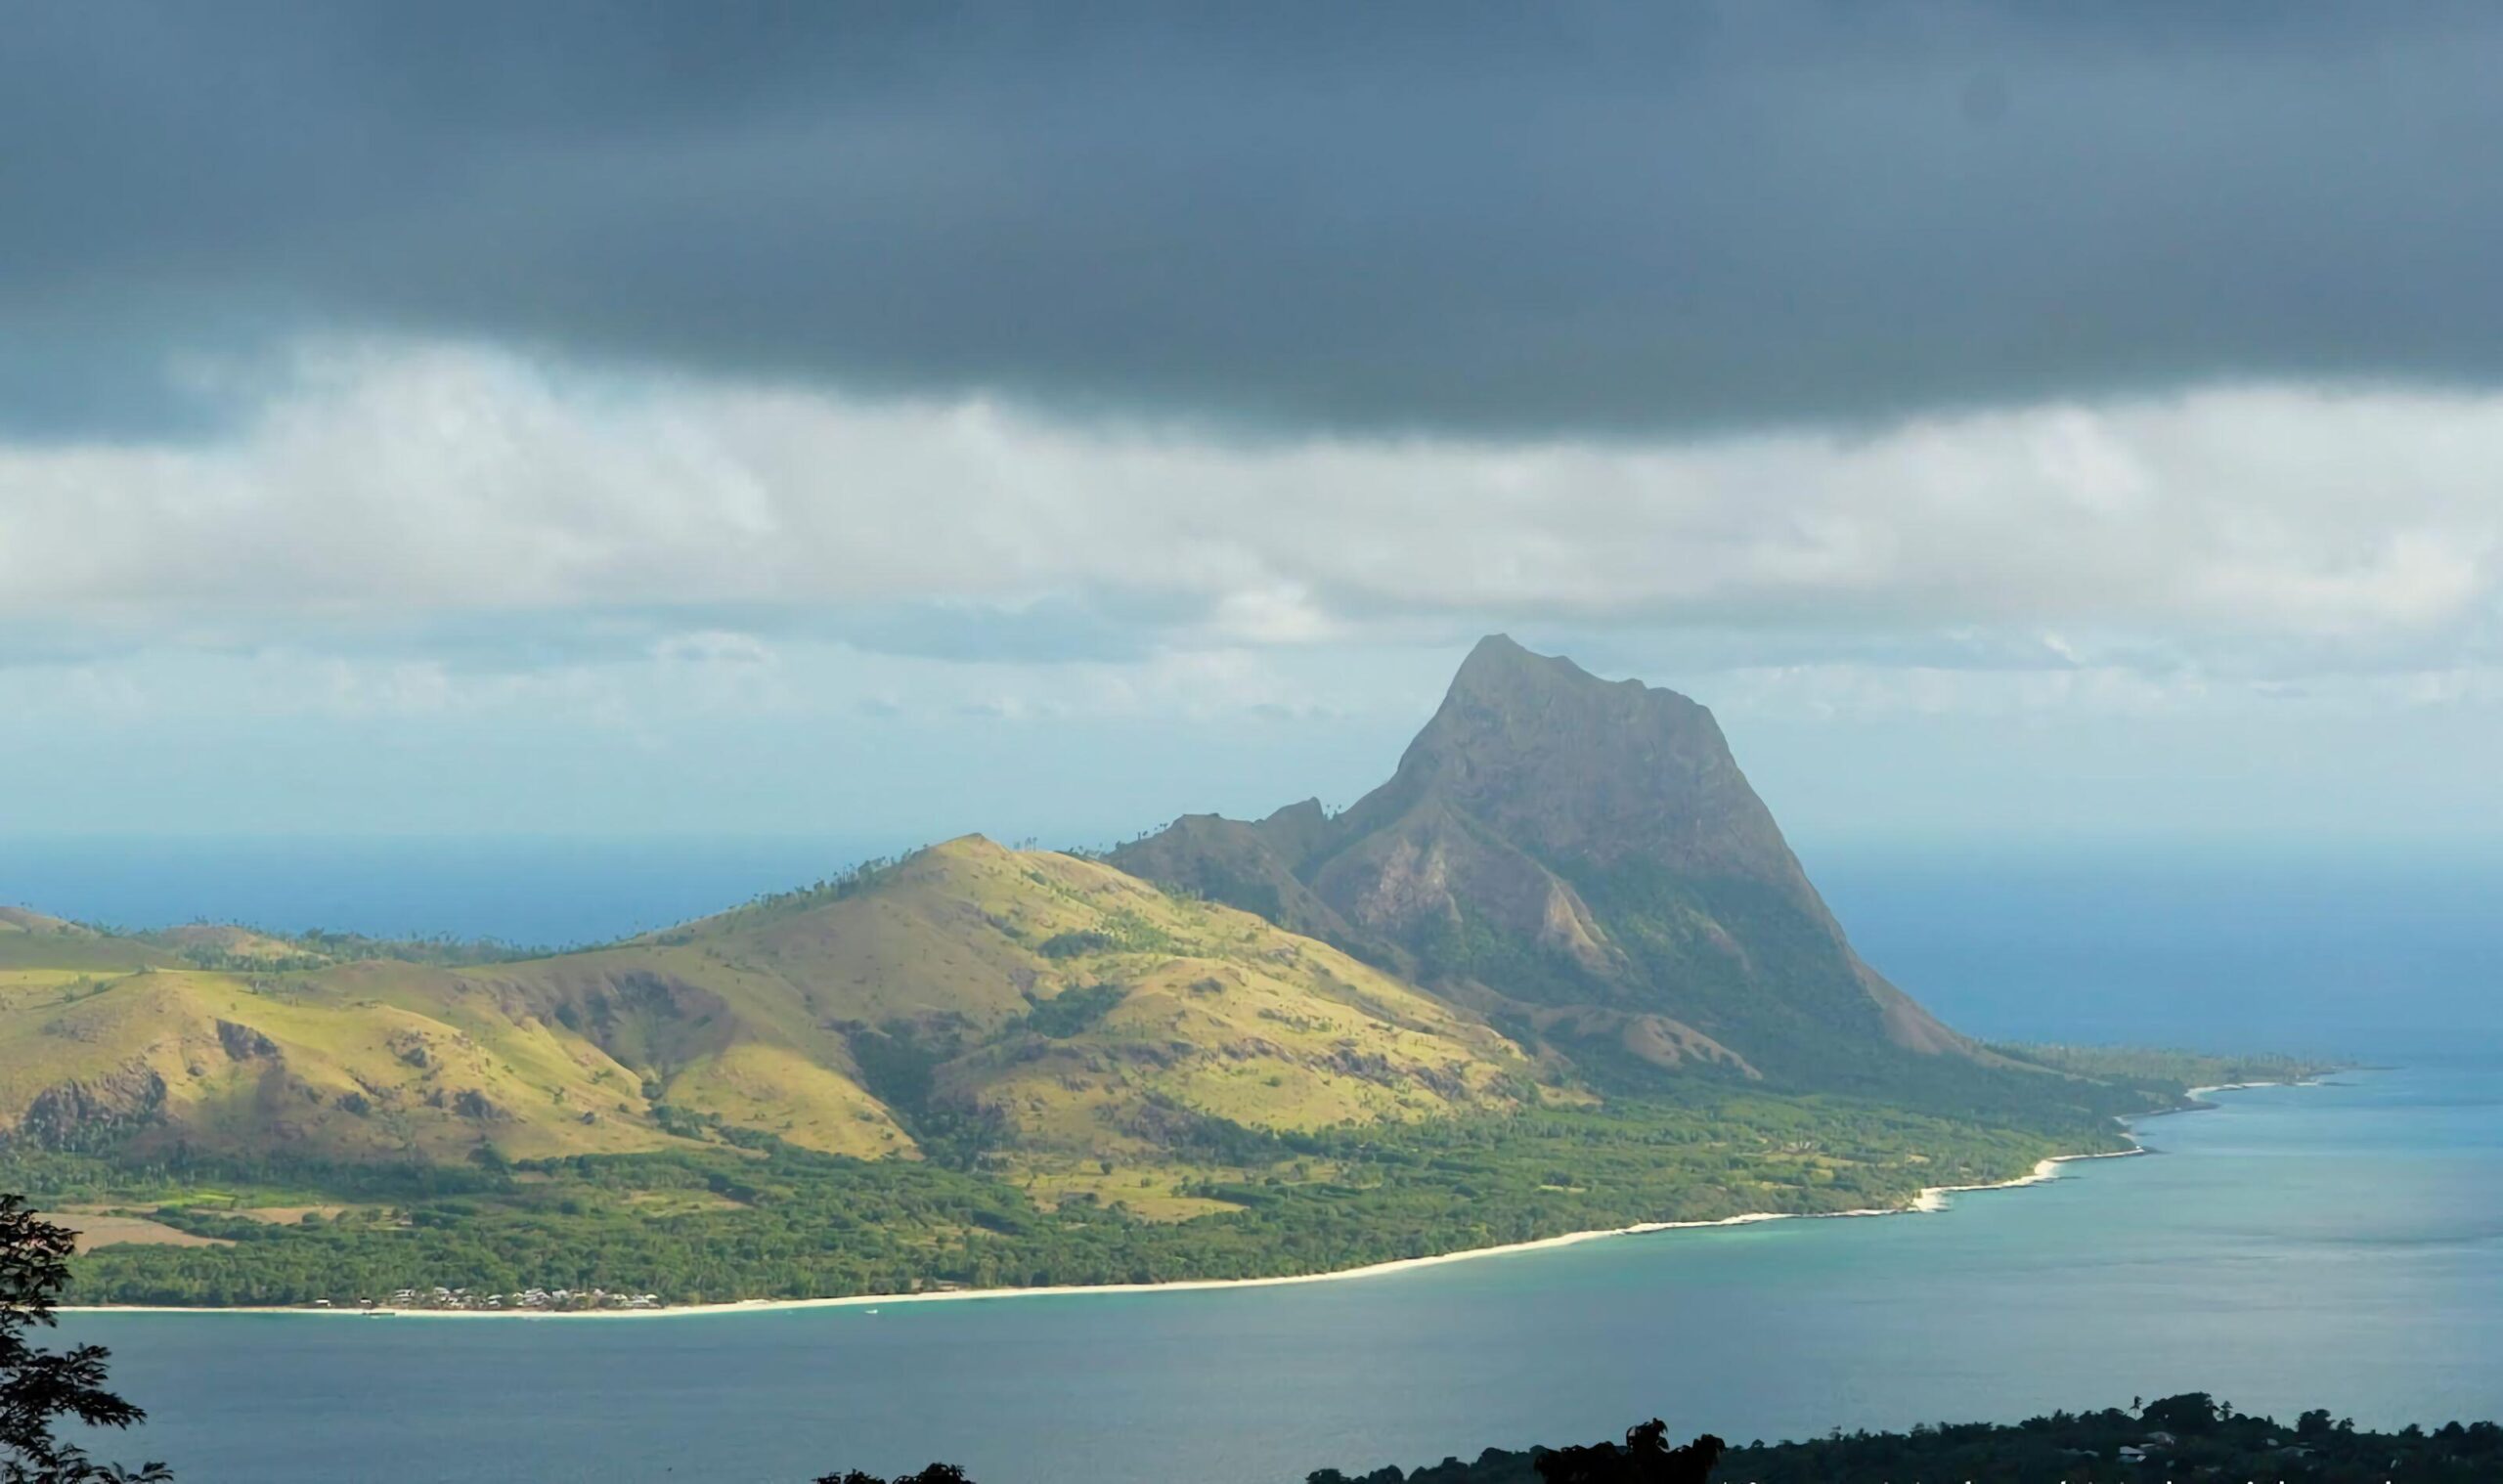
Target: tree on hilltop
936,1474
1645,1458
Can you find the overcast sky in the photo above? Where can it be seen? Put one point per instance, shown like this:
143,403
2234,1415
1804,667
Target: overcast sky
897,420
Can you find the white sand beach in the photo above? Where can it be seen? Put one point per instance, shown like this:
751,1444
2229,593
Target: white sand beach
1931,1198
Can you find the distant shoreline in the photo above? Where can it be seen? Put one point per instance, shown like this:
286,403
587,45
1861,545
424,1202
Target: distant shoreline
1931,1198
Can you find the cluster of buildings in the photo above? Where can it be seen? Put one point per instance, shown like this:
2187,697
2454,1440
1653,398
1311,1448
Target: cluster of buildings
528,1300
2146,1450
2155,1445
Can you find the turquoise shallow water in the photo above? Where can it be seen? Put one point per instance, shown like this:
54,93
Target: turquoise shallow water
2337,1246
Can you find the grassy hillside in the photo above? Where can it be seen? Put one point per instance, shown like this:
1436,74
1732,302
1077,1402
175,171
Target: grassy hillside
158,1056
1046,1014
34,944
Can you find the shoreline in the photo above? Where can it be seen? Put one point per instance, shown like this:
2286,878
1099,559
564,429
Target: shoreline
1930,1199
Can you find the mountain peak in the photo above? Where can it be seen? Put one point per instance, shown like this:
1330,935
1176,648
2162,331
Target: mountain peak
1499,663
972,847
1496,649
1575,766
1499,660
1553,838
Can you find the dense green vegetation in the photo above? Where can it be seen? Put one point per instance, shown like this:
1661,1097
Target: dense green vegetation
1074,1011
2167,1073
2179,1437
751,1217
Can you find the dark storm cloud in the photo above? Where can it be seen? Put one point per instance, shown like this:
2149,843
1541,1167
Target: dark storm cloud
1497,220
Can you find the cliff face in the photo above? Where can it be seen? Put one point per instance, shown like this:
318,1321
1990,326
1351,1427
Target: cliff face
1584,857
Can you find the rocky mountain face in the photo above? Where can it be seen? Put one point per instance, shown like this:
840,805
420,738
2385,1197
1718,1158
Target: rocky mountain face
1582,862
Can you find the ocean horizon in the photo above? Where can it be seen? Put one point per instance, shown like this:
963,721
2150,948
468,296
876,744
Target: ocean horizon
2312,947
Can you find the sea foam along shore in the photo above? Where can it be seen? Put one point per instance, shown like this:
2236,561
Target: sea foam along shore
1931,1198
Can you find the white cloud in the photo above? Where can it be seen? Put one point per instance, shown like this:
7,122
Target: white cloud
406,486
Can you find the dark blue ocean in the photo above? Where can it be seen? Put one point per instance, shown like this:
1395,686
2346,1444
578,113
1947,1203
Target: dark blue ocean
2337,1245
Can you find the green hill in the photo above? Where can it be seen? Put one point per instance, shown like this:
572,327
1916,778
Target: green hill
1065,1014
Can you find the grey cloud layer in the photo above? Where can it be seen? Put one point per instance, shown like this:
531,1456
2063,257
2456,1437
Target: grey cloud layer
1503,221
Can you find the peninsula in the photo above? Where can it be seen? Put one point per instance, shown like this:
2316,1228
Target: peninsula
1559,976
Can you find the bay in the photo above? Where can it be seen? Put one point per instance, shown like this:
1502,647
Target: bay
2337,1246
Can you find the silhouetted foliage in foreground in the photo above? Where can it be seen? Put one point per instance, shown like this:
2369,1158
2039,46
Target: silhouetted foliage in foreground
39,1389
2187,1437
2184,1437
1645,1459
